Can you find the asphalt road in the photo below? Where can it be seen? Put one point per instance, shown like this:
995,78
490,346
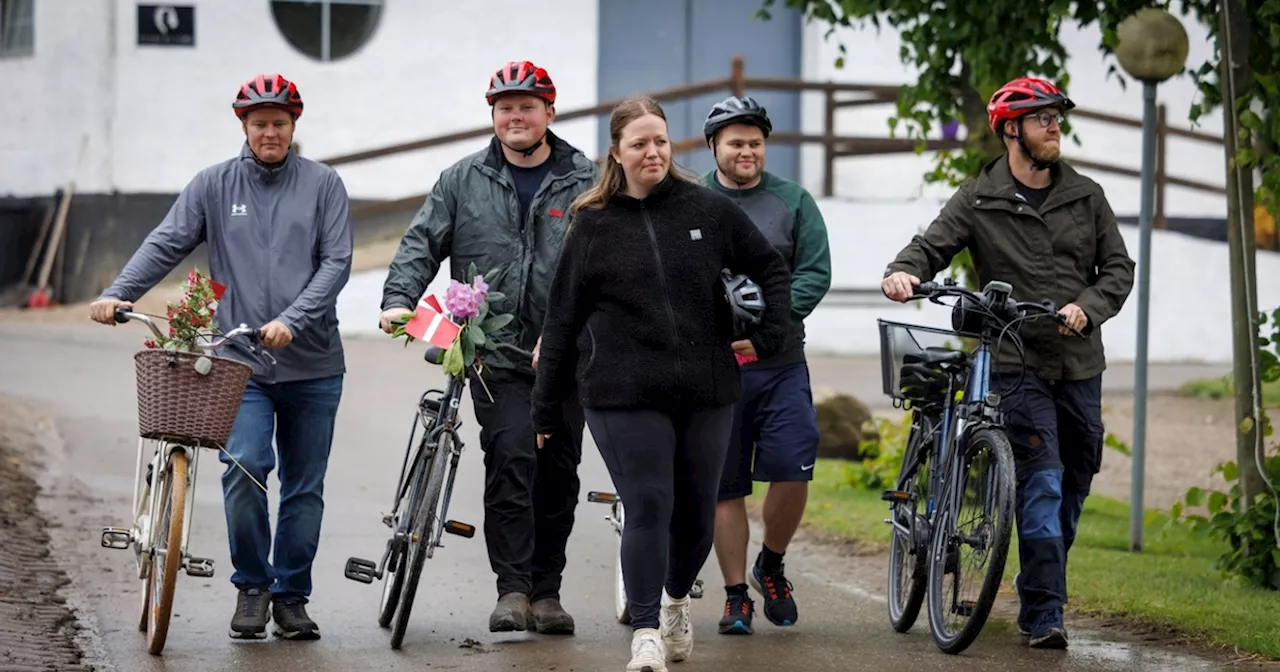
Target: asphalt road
83,375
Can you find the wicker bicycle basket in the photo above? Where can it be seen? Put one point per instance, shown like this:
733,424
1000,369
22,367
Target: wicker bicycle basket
900,342
176,403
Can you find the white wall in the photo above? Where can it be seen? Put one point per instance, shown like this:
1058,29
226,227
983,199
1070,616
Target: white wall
873,59
423,73
52,112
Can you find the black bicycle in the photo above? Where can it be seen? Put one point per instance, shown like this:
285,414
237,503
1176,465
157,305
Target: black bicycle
961,511
419,513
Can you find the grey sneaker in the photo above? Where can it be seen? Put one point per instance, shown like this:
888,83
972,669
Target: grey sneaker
511,613
292,621
250,619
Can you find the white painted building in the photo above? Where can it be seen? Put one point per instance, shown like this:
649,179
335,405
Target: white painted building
87,102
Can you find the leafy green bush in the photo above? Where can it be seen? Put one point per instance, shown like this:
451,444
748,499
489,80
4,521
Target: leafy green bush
881,451
1250,531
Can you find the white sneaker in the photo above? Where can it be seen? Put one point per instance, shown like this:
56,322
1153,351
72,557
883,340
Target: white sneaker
647,652
677,627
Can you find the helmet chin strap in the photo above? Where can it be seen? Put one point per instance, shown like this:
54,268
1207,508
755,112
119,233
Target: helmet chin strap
528,151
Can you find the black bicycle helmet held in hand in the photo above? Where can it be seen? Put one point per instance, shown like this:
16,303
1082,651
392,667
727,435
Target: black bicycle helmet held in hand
745,301
736,110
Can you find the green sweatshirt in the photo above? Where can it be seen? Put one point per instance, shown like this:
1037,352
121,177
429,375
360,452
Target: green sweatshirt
788,216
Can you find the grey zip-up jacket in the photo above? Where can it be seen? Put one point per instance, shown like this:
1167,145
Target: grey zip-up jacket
280,240
472,215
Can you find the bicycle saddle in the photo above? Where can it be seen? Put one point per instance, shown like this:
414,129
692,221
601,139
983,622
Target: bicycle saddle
940,356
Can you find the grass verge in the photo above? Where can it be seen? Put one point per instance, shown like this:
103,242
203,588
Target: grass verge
1222,388
1171,584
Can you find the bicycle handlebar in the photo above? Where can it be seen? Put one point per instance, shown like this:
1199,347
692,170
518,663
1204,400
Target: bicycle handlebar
998,302
123,315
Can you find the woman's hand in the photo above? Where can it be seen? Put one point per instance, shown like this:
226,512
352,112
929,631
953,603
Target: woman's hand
542,440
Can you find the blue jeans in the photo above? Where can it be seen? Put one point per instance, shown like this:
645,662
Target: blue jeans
300,415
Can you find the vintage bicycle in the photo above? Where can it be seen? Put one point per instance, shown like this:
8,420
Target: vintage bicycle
420,507
957,455
617,519
186,401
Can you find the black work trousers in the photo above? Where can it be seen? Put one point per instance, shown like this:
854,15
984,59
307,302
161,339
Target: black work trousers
529,494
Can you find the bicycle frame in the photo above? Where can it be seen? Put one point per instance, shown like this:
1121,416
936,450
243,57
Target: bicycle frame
157,464
977,409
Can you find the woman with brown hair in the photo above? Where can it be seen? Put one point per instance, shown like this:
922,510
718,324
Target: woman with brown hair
637,324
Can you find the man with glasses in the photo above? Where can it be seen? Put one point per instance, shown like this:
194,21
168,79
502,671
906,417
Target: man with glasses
1032,221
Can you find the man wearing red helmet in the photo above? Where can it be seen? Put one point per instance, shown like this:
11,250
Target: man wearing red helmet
505,209
278,228
1031,220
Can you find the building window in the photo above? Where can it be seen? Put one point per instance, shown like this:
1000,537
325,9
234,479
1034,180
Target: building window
327,30
17,28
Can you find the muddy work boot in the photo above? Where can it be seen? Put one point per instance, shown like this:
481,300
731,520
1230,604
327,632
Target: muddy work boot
511,614
549,618
292,621
252,612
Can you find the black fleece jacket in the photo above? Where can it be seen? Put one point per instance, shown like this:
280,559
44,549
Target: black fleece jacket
635,314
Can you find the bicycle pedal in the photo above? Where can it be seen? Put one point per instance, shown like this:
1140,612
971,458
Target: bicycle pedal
460,529
116,537
388,521
964,608
596,497
696,591
200,567
360,570
897,496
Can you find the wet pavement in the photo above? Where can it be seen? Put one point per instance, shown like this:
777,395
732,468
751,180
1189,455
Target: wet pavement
84,376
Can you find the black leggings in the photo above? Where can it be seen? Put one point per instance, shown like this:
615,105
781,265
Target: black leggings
666,468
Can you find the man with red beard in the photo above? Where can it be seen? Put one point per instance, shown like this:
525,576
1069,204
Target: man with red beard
1031,220
775,426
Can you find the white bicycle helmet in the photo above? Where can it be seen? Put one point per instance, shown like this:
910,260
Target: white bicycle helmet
745,300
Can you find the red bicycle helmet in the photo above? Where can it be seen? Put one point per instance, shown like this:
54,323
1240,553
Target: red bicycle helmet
268,90
1021,96
521,77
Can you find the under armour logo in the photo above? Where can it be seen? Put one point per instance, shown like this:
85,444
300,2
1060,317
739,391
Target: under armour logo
695,234
239,210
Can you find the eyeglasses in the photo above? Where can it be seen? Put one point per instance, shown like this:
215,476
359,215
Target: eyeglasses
1046,116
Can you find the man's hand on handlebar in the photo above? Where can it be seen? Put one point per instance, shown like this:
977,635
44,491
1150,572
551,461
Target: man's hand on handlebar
899,286
276,335
104,310
1074,318
391,316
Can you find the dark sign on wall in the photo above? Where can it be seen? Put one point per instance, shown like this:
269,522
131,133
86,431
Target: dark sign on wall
167,25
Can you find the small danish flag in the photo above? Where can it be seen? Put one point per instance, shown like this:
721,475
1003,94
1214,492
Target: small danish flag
218,290
429,324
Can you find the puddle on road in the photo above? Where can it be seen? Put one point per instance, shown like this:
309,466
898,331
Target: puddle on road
1134,656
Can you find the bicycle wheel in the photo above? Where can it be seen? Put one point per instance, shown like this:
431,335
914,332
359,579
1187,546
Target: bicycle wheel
423,524
971,545
393,575
908,553
144,614
622,606
392,584
166,543
141,510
